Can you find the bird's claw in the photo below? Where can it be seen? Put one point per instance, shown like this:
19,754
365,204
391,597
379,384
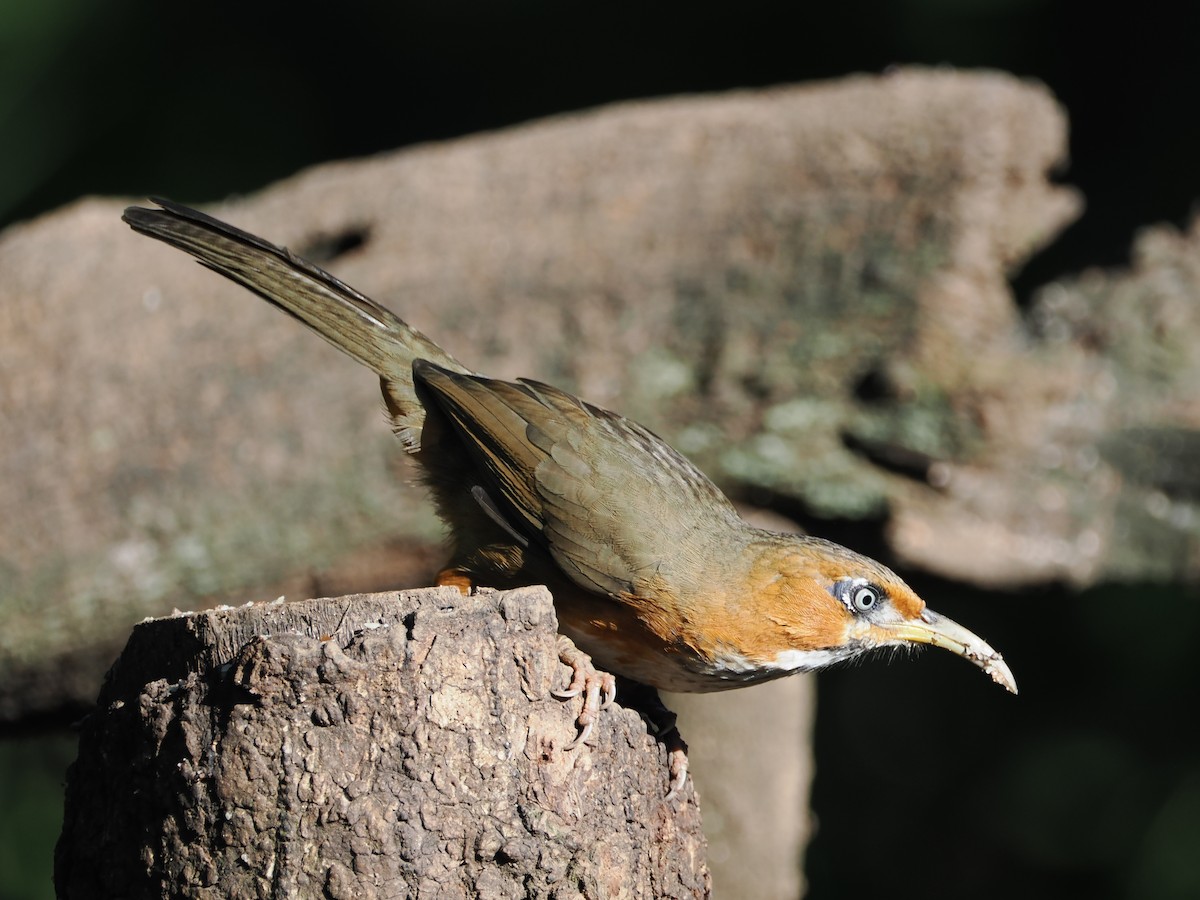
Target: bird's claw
598,689
661,723
677,762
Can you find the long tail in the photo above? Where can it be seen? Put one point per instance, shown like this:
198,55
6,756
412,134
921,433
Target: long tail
354,324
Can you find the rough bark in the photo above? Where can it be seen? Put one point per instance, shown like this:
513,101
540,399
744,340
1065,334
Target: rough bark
387,745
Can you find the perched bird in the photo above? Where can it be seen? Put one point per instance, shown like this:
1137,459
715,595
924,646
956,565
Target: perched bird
654,574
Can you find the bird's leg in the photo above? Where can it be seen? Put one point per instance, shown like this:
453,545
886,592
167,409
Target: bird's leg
598,688
661,722
455,577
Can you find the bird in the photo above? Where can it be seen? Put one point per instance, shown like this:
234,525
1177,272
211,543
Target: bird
655,576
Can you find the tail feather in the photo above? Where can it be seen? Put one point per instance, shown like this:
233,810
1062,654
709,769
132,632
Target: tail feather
353,323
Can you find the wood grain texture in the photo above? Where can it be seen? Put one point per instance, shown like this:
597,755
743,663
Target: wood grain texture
401,744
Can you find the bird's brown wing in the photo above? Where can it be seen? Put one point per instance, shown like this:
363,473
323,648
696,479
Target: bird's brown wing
604,495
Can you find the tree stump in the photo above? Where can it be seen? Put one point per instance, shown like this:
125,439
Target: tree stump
401,744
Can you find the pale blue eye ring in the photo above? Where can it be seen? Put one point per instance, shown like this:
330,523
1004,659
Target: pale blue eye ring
864,597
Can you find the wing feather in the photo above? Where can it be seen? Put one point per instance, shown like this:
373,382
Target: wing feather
600,492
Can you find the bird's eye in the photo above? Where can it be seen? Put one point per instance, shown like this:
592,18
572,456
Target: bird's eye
858,595
864,597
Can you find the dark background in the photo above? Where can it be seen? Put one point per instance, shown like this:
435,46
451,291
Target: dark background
930,782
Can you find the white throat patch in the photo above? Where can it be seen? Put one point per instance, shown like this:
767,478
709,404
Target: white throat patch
784,662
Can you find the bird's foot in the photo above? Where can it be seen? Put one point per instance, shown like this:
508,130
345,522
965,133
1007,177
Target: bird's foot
661,722
452,577
677,761
597,688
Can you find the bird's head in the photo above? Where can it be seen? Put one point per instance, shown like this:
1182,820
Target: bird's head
830,604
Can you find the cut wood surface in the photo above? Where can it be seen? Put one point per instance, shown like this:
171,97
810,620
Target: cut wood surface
384,745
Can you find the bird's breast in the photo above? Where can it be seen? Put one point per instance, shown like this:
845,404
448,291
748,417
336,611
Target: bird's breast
634,640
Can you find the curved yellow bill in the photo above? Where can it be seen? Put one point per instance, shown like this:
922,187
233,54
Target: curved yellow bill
939,631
